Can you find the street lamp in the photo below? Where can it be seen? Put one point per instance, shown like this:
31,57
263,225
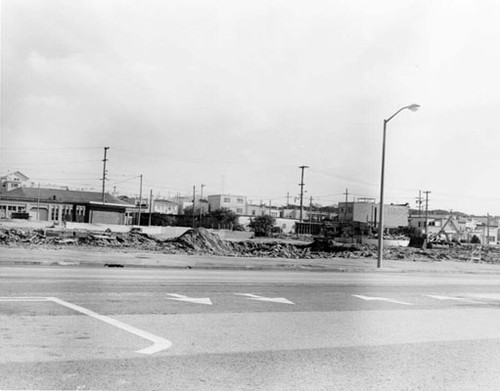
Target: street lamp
412,107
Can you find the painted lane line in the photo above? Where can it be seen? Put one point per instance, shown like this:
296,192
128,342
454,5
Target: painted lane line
159,343
372,298
438,297
485,296
196,300
7,298
280,300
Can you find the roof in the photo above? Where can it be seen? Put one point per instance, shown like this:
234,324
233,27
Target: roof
59,195
17,173
160,201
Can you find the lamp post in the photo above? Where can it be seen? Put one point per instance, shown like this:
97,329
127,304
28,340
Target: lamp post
412,107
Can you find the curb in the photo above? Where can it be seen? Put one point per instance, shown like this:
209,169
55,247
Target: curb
237,268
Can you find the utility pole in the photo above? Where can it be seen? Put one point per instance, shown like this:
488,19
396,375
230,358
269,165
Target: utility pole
346,201
194,202
140,202
150,206
301,184
104,173
287,198
426,217
488,229
38,204
201,198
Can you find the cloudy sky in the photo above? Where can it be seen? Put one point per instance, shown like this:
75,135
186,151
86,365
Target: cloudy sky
237,95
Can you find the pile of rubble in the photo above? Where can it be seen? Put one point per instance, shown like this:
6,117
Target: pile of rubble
57,238
202,241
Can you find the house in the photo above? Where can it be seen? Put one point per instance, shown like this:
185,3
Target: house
13,181
62,206
455,228
366,212
165,206
261,210
293,212
236,203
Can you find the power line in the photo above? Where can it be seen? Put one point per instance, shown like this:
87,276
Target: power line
47,149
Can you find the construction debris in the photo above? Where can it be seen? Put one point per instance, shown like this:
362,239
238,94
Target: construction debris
205,242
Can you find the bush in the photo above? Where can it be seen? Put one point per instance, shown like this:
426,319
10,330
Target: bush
262,225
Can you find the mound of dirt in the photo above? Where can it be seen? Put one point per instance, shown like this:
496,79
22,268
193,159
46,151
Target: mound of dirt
203,241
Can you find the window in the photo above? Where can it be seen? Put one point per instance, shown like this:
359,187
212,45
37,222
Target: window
253,212
239,200
239,210
227,199
54,213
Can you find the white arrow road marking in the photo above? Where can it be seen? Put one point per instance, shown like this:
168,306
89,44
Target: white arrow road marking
159,343
372,298
438,297
280,300
196,300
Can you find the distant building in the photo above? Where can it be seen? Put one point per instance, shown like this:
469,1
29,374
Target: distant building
455,228
165,206
395,215
236,203
62,206
13,181
262,210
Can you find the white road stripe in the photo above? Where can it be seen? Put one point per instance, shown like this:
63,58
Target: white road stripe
7,298
159,343
486,296
438,297
196,300
372,298
280,300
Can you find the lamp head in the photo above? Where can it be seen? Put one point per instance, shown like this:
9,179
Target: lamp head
413,107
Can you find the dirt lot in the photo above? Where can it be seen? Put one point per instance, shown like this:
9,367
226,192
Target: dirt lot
204,242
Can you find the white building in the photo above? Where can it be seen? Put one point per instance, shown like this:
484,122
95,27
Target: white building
236,203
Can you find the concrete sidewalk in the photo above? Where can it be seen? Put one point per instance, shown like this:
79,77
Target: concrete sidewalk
98,257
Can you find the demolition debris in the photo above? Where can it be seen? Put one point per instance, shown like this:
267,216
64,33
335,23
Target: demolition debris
201,241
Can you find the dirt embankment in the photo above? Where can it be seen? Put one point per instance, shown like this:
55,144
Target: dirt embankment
201,241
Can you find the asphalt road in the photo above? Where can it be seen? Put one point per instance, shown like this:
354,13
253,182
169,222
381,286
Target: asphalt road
100,328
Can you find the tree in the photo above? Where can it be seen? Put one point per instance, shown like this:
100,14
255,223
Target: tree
221,219
262,225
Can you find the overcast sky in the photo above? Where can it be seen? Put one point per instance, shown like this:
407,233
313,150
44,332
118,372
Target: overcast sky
238,94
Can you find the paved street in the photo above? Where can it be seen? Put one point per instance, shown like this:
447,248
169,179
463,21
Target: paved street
126,328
